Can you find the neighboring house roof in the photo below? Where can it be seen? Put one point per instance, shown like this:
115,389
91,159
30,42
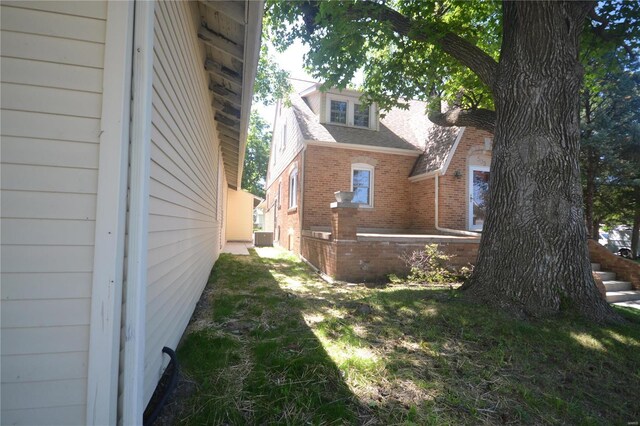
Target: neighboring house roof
392,134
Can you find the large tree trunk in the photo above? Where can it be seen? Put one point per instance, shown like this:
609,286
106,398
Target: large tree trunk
590,194
533,254
635,232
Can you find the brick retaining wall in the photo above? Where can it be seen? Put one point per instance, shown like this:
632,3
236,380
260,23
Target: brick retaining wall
625,269
371,259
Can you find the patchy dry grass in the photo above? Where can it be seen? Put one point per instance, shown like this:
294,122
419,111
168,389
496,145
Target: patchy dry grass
273,344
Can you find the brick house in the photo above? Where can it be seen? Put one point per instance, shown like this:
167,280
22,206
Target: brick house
414,183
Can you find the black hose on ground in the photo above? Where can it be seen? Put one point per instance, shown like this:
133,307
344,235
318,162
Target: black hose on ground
173,381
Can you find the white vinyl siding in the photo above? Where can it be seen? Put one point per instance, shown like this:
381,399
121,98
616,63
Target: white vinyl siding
184,215
285,118
51,97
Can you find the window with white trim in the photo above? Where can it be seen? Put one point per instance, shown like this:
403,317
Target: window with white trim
293,189
279,194
349,111
283,137
362,184
361,115
338,112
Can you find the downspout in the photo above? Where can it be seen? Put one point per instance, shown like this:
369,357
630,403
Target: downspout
301,186
448,230
136,280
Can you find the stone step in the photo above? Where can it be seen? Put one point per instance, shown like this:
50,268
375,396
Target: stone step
595,266
622,296
606,275
617,285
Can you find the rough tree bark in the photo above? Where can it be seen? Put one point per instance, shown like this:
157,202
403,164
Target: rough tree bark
635,231
533,253
533,256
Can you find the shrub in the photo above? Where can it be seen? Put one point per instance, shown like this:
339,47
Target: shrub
433,266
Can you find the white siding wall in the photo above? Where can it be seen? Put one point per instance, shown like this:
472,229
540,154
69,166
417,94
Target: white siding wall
284,151
183,215
51,72
315,102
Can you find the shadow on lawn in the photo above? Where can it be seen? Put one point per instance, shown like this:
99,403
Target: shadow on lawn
456,363
394,355
253,358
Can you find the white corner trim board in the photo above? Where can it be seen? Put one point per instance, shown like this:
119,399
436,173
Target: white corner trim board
452,151
135,292
106,300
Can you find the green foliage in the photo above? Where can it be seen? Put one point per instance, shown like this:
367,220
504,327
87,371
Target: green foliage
432,265
394,67
256,158
272,82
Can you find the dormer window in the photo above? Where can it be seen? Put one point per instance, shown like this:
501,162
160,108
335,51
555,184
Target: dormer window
361,115
339,112
349,111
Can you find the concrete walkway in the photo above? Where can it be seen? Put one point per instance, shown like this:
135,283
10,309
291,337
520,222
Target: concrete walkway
629,304
237,247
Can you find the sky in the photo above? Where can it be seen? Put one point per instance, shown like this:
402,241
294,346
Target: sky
290,60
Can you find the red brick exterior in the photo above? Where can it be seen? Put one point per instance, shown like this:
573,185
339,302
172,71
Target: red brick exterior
399,204
625,269
422,206
288,220
453,191
328,170
344,223
373,260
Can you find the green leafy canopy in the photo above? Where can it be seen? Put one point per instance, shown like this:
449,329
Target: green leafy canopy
257,155
347,36
394,67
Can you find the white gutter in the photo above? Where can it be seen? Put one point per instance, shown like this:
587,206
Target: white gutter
136,280
301,186
253,31
425,176
368,148
451,231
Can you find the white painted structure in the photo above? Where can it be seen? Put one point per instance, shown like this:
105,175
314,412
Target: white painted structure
115,169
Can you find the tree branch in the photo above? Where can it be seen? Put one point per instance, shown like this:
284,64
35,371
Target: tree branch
601,32
468,54
481,118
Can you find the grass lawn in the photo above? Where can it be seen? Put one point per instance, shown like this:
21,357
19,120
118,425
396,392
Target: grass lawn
271,343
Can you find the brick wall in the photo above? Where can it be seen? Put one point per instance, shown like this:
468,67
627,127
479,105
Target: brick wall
288,220
454,191
329,170
625,269
422,204
374,260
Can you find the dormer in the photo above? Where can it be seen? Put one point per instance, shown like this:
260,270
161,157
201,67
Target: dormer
341,108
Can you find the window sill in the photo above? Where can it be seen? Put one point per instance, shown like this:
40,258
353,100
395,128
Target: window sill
292,209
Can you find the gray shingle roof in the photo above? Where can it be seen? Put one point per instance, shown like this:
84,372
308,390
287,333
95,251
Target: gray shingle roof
408,129
440,141
394,130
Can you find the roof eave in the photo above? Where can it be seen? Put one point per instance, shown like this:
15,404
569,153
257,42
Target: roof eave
253,32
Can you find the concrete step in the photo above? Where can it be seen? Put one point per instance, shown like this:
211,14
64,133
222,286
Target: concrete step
617,285
595,266
606,275
622,296
630,304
